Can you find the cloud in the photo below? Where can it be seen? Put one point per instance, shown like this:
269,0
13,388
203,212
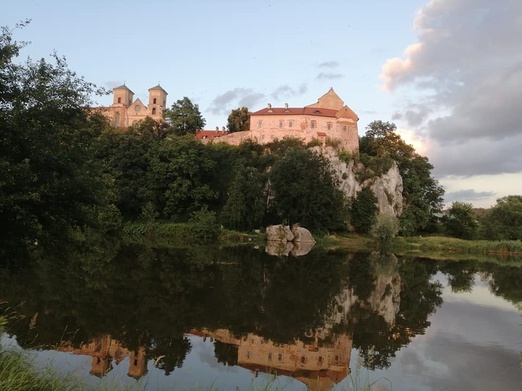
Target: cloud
285,91
328,76
466,75
329,64
467,195
477,157
238,97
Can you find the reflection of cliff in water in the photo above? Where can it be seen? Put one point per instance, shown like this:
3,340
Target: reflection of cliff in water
146,299
320,357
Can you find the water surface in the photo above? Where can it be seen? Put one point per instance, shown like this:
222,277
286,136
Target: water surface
165,318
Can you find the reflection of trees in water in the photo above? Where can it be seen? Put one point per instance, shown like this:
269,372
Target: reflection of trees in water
145,296
225,353
169,353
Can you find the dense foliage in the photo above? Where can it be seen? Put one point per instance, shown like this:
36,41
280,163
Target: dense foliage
504,220
49,180
363,210
184,117
422,193
460,222
238,120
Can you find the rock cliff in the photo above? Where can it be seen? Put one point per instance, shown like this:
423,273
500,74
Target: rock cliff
386,187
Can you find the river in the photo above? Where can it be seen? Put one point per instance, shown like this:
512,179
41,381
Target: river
154,317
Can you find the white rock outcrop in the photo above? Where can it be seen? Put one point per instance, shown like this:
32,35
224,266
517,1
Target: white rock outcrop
387,187
302,235
279,233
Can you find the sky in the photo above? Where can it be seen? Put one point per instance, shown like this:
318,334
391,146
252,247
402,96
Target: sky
448,73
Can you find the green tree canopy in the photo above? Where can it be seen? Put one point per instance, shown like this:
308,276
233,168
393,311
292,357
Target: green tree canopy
181,176
504,220
363,210
49,181
184,117
305,190
422,193
461,222
238,120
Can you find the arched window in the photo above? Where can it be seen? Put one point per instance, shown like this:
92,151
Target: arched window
117,120
119,100
153,110
154,101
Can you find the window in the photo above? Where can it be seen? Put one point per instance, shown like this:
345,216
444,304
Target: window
119,100
154,101
281,123
248,354
320,360
290,123
337,359
269,356
345,128
303,359
153,110
329,126
279,357
117,120
313,124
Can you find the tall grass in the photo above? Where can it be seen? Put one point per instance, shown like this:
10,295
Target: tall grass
18,374
451,247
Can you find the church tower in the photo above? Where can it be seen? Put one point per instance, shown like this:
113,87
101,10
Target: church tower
157,101
122,96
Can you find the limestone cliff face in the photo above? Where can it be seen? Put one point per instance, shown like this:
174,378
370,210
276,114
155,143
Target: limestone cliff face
387,187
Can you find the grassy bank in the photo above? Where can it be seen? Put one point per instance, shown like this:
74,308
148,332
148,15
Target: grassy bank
451,246
18,374
436,247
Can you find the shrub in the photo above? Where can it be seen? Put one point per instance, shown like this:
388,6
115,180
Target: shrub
345,156
384,230
203,224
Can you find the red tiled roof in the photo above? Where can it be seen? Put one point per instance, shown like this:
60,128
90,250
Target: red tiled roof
204,134
296,111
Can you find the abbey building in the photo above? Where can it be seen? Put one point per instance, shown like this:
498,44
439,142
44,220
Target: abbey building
327,120
125,110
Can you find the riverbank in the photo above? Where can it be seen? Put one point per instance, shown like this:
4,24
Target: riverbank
436,247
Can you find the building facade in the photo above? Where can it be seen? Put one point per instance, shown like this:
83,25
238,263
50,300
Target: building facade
329,118
126,110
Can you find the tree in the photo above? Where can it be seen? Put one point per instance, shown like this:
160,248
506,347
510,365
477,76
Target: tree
385,228
422,193
184,117
504,220
245,207
125,157
363,210
461,222
149,128
238,120
304,190
49,182
181,177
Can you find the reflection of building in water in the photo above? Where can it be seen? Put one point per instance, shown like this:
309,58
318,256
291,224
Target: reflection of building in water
105,350
319,364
